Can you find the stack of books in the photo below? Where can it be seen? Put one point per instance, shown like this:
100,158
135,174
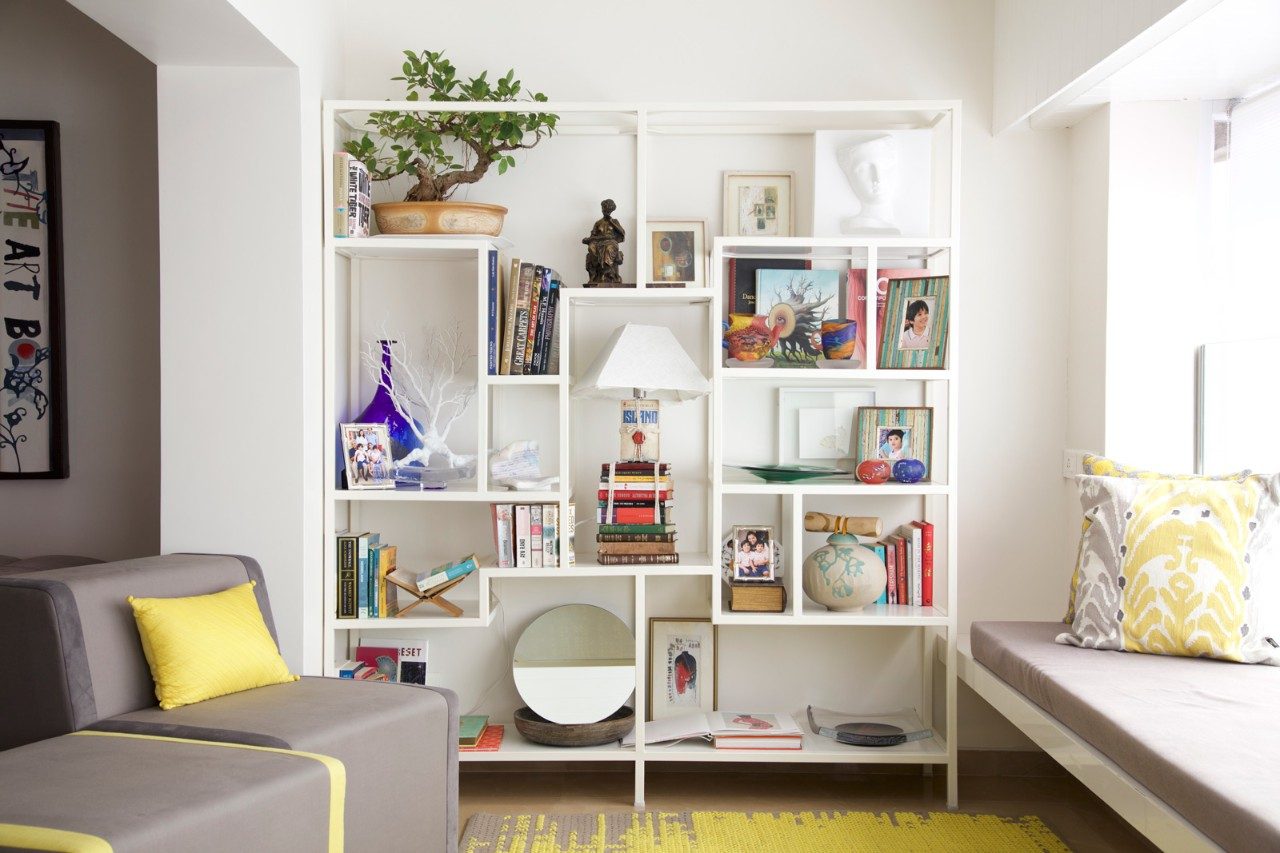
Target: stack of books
526,536
404,661
523,320
635,507
908,561
477,734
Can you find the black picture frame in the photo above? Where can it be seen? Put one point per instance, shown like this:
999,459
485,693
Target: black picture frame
18,192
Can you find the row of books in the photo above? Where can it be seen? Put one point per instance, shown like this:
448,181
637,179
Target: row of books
634,509
908,561
524,314
530,536
403,661
364,562
352,191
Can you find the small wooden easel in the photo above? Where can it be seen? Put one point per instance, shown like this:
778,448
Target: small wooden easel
434,595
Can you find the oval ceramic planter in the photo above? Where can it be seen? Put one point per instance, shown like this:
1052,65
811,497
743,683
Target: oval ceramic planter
439,217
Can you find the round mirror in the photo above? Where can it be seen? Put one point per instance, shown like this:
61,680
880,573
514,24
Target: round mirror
575,664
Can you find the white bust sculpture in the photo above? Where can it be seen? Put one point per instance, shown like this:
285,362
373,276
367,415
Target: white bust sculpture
871,166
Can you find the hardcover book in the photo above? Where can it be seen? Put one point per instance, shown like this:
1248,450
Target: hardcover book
926,562
470,728
637,559
509,323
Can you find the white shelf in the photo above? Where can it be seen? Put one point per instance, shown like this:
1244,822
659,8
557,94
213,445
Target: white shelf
876,615
738,482
817,750
521,380
425,615
415,248
463,492
791,375
615,296
516,748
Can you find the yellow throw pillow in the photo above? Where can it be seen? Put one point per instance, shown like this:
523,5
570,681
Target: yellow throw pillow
1101,466
207,645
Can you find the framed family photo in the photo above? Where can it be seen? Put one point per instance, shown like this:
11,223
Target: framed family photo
915,324
366,449
682,667
677,252
753,553
891,434
759,204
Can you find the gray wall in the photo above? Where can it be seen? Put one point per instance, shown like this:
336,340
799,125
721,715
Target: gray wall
58,64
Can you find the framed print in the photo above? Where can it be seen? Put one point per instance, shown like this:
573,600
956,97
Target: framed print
682,666
677,252
916,315
813,297
892,434
817,426
367,451
753,553
33,399
758,204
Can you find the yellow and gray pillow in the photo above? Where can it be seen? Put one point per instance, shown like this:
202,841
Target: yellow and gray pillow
1178,567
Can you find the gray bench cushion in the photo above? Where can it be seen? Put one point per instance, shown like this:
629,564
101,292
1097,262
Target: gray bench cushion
1200,734
383,733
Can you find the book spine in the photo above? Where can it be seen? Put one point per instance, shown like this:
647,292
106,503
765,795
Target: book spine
360,209
347,577
522,537
493,343
340,221
502,534
362,578
550,531
631,529
509,322
627,515
553,348
901,545
891,566
375,560
386,565
535,302
638,559
884,558
545,325
549,343
926,546
522,318
633,495
636,547
569,536
917,567
635,537
539,331
535,536
465,567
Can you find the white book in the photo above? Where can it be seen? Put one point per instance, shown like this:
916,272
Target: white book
522,537
915,564
717,724
503,534
535,536
550,534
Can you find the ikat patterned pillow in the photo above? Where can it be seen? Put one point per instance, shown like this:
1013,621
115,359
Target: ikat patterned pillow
1179,567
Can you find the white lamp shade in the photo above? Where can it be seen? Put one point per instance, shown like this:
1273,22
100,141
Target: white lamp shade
645,357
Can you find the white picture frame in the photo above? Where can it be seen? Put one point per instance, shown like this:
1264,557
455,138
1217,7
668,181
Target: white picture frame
744,190
808,416
682,666
667,266
366,453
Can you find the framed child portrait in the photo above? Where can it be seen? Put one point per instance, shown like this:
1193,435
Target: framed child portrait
893,434
677,252
915,324
758,204
753,553
682,667
366,449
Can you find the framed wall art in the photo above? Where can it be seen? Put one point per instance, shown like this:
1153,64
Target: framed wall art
759,204
892,434
33,398
818,426
682,666
677,252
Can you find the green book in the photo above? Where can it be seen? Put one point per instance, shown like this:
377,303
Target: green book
470,727
637,528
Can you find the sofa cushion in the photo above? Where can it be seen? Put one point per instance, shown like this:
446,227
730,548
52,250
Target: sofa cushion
383,733
142,794
16,566
202,646
1198,733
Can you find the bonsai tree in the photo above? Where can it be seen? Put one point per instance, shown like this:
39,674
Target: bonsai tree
419,143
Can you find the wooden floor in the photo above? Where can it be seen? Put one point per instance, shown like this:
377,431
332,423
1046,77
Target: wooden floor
1078,817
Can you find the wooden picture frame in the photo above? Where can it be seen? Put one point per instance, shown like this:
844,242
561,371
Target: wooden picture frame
916,319
759,204
33,405
677,252
913,426
670,640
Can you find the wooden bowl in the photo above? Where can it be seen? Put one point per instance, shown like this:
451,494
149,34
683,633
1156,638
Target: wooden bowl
439,217
539,730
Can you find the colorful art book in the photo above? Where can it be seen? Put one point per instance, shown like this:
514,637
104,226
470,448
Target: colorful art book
812,297
857,300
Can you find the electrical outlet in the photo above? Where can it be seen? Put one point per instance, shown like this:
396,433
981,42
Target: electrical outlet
1072,463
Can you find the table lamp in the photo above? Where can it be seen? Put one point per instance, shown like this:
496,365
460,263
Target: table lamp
641,365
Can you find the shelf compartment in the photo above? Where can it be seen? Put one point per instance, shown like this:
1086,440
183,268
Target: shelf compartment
817,750
415,247
422,617
875,615
622,296
516,748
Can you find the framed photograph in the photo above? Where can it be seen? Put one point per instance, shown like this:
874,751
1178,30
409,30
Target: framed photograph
367,451
813,297
682,666
33,401
818,426
915,329
677,252
753,553
892,434
759,204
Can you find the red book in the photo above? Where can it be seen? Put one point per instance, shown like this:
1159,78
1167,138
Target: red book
627,515
490,741
385,660
926,562
620,495
891,568
900,545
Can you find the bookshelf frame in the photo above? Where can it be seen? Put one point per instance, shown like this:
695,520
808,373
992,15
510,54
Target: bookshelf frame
345,259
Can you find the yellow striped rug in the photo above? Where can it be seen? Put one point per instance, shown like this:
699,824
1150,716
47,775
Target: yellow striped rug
756,832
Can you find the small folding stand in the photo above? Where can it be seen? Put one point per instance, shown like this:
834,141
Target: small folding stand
435,595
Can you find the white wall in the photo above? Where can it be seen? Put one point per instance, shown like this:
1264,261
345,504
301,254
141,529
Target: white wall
1014,211
60,65
1041,46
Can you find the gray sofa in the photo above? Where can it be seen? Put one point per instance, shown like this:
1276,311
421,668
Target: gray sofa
1197,733
89,751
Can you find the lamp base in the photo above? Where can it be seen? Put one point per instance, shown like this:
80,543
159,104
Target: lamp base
639,431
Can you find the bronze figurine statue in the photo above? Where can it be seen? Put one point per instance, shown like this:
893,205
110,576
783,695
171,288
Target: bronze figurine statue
604,255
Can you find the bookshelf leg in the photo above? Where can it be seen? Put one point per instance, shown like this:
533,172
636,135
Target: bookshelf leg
639,801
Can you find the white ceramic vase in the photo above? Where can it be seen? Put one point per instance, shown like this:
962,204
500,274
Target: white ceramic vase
843,575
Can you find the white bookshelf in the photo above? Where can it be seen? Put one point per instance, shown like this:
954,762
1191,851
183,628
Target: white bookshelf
657,161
